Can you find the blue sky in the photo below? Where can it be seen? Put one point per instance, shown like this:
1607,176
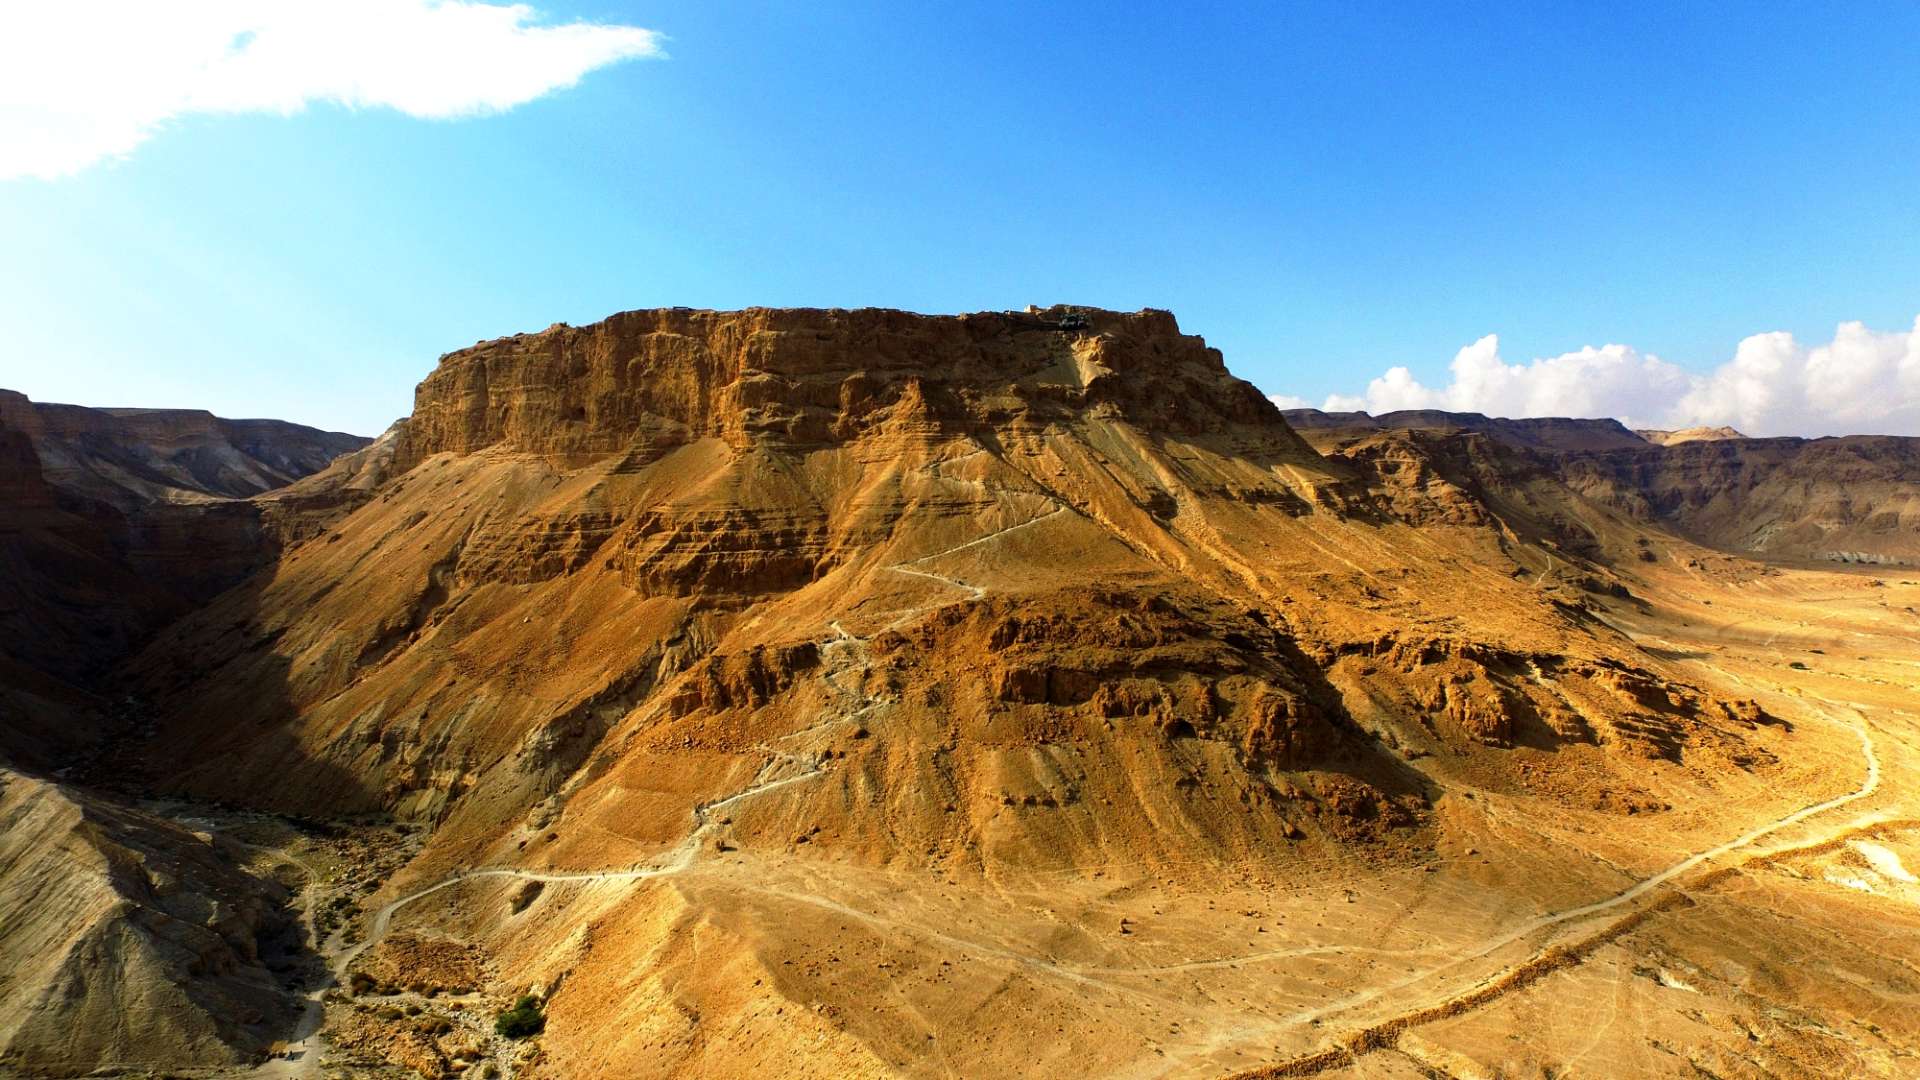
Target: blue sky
1324,195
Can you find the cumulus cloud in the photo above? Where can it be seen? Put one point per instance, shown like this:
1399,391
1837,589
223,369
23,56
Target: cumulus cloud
86,80
1863,381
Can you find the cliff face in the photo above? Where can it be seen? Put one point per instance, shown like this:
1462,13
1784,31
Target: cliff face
1533,433
70,605
23,485
127,941
1660,437
645,381
47,553
1850,500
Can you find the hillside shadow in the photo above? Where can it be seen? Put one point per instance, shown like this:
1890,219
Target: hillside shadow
205,710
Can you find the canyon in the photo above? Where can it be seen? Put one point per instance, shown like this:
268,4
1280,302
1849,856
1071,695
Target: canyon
865,693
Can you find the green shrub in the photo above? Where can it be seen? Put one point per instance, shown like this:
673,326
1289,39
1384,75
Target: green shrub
521,1021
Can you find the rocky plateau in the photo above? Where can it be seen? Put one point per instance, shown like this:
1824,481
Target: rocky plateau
863,693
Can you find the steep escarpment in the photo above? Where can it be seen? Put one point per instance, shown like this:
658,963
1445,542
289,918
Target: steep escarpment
643,381
1530,433
126,941
1661,437
45,719
70,606
1853,499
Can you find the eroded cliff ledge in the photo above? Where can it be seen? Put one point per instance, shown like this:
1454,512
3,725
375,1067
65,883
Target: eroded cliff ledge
651,380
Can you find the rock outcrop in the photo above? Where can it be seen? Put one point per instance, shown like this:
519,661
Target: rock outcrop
1660,437
1531,433
1852,499
643,382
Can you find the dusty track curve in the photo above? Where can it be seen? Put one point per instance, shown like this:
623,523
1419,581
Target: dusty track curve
1381,1034
683,855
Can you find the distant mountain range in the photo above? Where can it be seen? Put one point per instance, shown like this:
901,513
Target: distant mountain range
1851,499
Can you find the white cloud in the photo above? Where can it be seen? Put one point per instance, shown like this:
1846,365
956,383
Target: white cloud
1863,381
86,80
1289,401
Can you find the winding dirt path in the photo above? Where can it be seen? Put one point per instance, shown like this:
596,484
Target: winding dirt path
305,1061
1380,1034
684,854
1102,977
301,1050
975,592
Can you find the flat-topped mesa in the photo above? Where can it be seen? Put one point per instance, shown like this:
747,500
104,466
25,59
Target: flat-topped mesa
815,377
130,459
1664,437
1551,433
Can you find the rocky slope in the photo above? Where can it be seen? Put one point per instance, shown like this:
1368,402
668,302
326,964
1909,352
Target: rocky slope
748,600
1851,500
129,940
125,940
1534,433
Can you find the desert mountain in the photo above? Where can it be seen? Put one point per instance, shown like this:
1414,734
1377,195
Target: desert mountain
129,939
127,458
1660,437
740,523
1851,499
1848,500
862,693
722,602
1531,433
